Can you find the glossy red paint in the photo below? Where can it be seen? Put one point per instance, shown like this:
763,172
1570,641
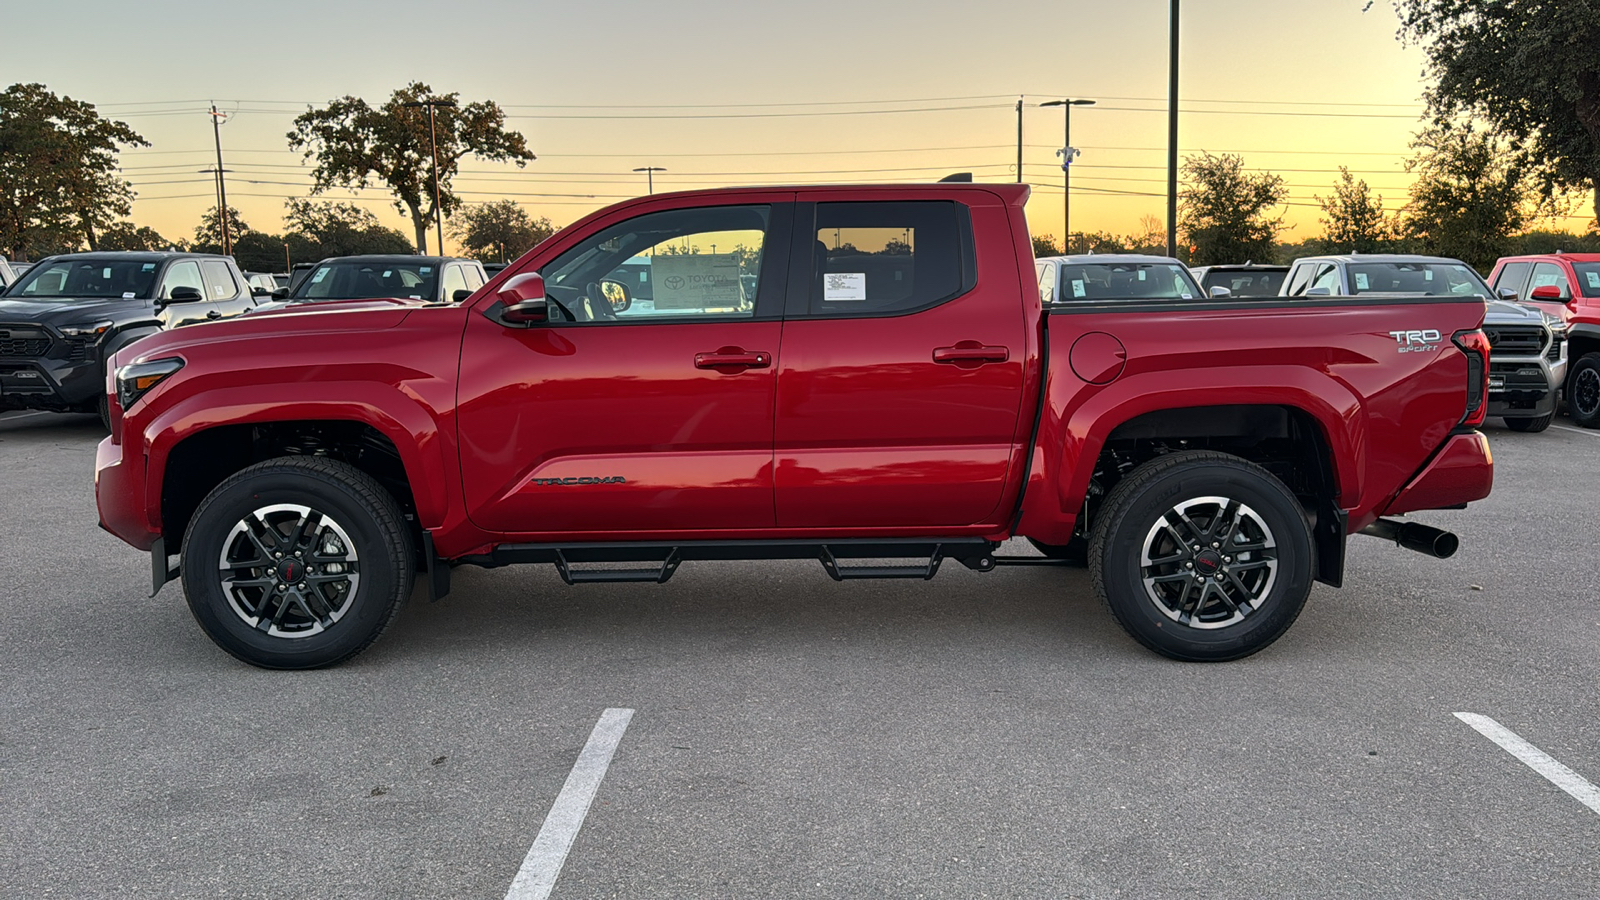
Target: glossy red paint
1578,296
1456,475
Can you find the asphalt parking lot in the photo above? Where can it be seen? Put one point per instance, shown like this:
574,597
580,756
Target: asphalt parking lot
974,736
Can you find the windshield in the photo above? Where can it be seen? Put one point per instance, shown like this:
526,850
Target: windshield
1126,281
1416,278
1588,278
1246,282
359,280
88,279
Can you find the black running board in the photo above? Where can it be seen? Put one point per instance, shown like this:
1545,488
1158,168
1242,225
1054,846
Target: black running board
662,560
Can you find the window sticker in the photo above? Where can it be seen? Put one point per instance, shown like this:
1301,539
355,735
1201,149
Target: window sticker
416,296
702,281
1594,279
1361,281
148,267
388,273
1187,296
321,274
644,277
1077,288
840,286
127,295
1427,274
1141,274
106,272
423,269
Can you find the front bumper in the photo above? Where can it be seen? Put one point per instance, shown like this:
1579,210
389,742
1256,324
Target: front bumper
1461,472
61,384
119,487
1522,387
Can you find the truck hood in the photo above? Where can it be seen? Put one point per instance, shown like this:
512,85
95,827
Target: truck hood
51,311
274,325
323,307
1505,312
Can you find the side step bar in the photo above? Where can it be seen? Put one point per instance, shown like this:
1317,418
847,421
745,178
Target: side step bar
662,560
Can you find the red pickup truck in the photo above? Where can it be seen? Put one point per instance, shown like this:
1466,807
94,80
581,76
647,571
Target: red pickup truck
860,375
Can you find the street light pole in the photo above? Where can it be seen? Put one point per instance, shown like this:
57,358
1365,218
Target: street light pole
1019,139
1172,138
433,146
1067,152
222,190
650,176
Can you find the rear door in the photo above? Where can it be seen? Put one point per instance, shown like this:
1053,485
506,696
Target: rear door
227,295
901,371
631,417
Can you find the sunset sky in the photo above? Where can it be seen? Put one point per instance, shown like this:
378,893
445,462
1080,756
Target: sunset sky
721,92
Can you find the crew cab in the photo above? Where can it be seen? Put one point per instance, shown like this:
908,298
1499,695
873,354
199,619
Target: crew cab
872,382
1527,356
1561,284
65,317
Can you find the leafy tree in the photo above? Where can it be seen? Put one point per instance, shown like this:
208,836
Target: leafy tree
501,230
257,251
125,235
1224,211
353,144
1543,241
1470,196
1097,242
58,162
1353,218
1046,245
338,229
208,234
1529,68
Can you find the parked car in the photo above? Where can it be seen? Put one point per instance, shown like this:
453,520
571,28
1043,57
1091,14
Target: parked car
61,321
1097,277
1561,284
432,279
1248,280
261,284
7,274
1528,356
915,402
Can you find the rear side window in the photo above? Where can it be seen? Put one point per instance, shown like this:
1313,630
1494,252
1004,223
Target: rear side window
219,280
889,258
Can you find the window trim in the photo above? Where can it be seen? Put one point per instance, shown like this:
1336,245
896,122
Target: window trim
803,246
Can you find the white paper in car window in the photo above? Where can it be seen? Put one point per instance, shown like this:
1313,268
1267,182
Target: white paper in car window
423,269
1427,274
1141,274
127,295
1594,279
106,272
837,286
1187,296
1361,281
148,267
321,274
1077,289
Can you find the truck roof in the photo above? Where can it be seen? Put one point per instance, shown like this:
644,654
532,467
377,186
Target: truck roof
1379,258
1081,259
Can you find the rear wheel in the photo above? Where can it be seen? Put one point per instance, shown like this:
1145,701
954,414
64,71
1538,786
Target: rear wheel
1202,556
1583,391
1533,425
296,563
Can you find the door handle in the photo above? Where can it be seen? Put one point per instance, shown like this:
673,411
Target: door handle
213,314
733,357
970,352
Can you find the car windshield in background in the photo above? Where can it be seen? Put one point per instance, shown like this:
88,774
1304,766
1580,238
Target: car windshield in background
1588,278
365,280
88,279
1416,278
1245,282
1126,281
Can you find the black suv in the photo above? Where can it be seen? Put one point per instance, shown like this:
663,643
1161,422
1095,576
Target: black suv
63,319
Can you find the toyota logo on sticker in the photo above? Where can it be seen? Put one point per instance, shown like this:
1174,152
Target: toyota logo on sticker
675,282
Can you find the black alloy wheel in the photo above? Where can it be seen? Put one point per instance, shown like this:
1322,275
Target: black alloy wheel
297,563
1583,391
1202,556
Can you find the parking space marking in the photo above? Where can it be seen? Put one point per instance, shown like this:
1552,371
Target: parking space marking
543,863
24,416
1535,759
1583,431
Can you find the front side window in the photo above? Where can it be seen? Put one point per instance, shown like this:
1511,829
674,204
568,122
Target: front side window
88,279
700,262
1327,278
185,273
1547,274
1513,277
455,279
1426,278
885,258
1126,281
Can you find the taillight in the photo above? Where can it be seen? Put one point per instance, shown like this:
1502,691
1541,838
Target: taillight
1475,344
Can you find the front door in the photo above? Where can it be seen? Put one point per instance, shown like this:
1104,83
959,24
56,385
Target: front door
633,412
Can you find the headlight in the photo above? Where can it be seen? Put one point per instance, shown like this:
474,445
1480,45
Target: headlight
92,332
136,379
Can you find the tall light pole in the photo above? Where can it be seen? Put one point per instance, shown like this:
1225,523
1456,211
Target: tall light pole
1019,139
1172,138
1067,152
222,190
222,205
433,145
650,176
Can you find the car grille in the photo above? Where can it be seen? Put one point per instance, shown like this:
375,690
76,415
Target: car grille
24,346
1516,340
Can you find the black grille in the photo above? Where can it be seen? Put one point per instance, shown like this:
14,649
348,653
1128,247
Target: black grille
1516,340
24,346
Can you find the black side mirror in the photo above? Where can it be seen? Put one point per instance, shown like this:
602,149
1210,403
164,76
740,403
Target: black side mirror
259,291
185,295
460,295
1507,294
280,294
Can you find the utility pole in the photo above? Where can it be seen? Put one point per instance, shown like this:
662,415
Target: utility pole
650,176
1019,139
222,189
433,146
1172,139
1067,154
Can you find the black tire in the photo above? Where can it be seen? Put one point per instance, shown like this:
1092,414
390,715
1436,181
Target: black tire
103,407
1268,576
1074,552
280,616
1583,391
1533,425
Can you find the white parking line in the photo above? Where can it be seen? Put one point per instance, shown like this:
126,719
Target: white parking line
24,416
549,851
1583,431
1535,759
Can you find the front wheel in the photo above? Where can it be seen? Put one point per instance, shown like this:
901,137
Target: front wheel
1202,556
1583,391
296,563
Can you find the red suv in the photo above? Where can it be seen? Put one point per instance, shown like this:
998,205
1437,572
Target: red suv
1561,284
